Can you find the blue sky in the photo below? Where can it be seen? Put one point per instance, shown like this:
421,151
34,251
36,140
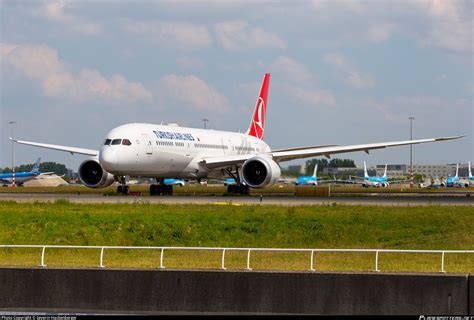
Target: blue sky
342,72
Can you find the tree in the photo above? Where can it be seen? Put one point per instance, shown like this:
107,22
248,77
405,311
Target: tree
323,163
58,168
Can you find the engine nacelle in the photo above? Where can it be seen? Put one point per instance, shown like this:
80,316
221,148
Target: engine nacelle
92,174
259,172
384,184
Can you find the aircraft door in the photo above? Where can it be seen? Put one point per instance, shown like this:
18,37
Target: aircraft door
148,143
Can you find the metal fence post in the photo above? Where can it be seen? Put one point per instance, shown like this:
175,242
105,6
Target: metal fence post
102,258
161,258
223,258
248,260
442,263
377,261
312,260
42,257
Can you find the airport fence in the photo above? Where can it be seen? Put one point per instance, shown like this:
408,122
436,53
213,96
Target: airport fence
311,252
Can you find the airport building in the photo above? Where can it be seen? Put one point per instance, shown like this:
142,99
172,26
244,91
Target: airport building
394,170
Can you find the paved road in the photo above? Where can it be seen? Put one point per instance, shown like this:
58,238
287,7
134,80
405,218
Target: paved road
379,199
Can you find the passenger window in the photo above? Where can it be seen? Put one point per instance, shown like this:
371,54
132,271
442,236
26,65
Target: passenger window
126,142
107,142
116,141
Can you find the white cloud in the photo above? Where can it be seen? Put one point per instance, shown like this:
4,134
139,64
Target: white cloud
349,74
237,35
55,11
41,65
173,34
299,84
192,92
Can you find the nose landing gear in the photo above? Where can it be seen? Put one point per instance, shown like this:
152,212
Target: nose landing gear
123,188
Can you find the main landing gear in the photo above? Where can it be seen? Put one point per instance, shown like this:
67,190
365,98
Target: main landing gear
238,189
123,189
161,189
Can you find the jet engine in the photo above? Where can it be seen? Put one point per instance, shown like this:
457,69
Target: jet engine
384,184
259,172
92,174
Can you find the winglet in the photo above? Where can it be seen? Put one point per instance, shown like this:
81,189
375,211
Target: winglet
257,124
450,138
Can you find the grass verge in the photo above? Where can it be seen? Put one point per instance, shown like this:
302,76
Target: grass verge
64,223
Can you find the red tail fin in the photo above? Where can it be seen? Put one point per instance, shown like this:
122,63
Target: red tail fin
257,124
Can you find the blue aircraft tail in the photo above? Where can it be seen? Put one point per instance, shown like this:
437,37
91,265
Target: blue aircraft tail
36,166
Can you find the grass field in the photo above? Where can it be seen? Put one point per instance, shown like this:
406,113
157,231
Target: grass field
64,223
219,190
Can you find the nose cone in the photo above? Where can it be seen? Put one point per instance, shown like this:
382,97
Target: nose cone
108,159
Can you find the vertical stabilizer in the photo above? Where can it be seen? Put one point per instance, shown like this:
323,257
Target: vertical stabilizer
457,170
257,124
36,166
385,172
366,175
470,172
315,170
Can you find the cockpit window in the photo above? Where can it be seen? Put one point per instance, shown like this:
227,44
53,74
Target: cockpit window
126,142
116,141
107,142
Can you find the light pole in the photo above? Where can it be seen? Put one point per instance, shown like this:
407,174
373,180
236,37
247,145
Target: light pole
411,152
205,122
13,152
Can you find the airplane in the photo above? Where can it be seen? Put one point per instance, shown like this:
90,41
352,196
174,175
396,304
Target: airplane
309,180
22,177
170,151
375,181
456,181
174,182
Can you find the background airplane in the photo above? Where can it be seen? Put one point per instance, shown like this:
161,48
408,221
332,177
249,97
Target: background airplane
174,182
458,182
311,180
22,177
375,181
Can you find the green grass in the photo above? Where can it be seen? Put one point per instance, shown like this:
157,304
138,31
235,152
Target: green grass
219,190
64,223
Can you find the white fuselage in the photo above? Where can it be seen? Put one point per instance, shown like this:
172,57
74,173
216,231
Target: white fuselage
163,151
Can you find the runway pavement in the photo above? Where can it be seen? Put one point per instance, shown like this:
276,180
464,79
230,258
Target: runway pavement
378,199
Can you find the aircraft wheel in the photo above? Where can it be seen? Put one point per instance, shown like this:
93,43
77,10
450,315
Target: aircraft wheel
119,189
244,190
126,190
167,190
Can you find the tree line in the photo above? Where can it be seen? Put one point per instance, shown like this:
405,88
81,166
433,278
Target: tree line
58,168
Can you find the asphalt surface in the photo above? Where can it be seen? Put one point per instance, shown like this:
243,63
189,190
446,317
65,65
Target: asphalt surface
372,199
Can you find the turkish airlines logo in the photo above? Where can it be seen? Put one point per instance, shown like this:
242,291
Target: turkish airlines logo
258,120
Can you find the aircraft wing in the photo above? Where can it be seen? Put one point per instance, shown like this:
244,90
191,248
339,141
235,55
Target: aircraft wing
46,173
306,152
72,150
328,151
